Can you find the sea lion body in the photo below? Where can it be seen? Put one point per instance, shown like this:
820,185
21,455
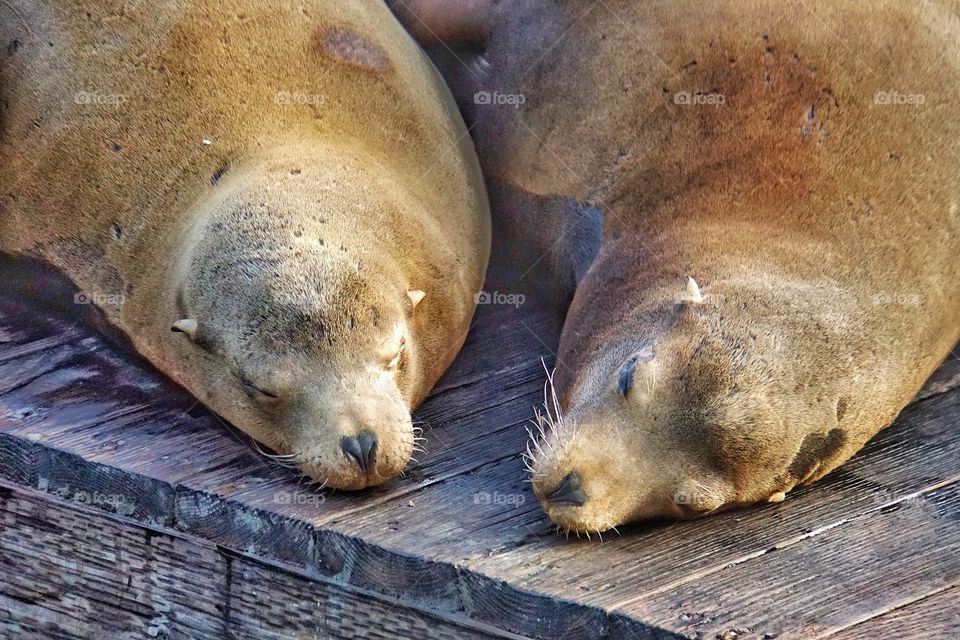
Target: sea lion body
288,184
799,163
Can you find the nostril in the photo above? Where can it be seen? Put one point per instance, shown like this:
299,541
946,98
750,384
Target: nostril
352,450
361,450
368,447
569,491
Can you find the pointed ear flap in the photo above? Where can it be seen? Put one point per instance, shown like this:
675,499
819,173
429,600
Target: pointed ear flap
415,295
691,294
187,326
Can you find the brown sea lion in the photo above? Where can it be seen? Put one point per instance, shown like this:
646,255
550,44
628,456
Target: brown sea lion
780,261
287,186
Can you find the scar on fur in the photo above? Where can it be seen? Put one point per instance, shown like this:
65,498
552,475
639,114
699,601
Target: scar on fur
349,46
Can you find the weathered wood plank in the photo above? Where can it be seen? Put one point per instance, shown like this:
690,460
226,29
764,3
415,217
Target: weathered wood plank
72,573
854,571
63,578
934,617
276,605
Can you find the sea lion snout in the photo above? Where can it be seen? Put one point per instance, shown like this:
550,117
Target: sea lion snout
578,478
662,427
588,482
352,435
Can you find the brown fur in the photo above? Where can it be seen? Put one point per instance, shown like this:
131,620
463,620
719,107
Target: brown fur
282,172
821,225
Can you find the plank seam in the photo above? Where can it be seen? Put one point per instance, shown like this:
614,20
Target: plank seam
879,614
786,543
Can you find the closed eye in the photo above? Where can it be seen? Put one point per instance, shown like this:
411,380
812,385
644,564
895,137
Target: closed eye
257,393
625,379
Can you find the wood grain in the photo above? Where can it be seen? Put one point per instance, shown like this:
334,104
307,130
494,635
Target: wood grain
859,569
72,573
933,617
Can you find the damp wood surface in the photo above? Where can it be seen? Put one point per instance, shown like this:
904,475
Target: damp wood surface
127,508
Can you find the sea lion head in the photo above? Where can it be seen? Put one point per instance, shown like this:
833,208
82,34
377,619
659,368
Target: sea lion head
296,323
678,413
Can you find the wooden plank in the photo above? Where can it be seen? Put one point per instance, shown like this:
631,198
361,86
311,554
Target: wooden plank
934,617
276,605
825,582
28,329
192,448
72,573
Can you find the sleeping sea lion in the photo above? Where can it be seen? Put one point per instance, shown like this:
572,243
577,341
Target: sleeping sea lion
277,203
779,269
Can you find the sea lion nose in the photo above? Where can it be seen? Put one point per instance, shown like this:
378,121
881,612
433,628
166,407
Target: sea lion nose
569,491
361,450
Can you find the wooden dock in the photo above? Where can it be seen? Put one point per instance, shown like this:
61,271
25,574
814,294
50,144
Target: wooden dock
129,511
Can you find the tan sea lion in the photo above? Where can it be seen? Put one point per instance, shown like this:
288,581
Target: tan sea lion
286,185
780,261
